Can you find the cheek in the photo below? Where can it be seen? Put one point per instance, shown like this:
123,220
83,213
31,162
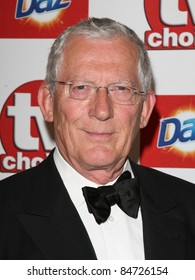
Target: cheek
129,120
63,111
60,114
67,114
129,126
60,118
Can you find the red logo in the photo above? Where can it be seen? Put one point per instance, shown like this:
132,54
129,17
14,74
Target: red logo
24,133
39,18
169,138
172,24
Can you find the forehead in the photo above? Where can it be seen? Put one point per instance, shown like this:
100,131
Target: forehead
115,48
115,58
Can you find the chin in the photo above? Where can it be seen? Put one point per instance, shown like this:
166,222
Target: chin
99,159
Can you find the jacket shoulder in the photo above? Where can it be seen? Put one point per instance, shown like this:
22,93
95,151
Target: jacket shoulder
27,176
164,187
151,174
18,187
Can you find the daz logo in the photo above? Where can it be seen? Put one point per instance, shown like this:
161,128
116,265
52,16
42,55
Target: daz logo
178,132
24,135
172,24
40,18
25,8
173,141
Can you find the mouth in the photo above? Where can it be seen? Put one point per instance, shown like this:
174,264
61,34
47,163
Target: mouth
99,136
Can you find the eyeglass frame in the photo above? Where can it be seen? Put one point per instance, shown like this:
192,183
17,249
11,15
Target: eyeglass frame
95,89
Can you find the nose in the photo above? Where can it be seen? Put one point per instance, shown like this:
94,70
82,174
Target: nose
101,106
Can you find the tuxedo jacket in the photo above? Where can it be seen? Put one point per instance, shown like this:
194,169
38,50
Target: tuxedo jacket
39,221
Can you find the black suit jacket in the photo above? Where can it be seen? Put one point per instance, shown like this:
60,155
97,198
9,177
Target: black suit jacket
39,221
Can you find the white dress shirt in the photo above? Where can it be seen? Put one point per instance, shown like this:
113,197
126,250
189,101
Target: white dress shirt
120,237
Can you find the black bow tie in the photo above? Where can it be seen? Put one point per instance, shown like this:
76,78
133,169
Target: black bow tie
124,192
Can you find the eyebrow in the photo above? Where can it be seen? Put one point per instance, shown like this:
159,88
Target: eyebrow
94,83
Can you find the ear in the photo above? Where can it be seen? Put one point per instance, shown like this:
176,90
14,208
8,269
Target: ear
45,101
147,108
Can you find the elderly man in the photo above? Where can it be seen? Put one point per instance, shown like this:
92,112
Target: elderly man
75,205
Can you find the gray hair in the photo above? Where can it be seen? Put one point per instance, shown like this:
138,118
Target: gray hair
104,28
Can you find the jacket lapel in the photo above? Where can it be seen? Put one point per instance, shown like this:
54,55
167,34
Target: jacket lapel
51,220
163,218
164,232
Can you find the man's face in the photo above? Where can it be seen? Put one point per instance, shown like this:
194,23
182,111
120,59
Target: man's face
97,134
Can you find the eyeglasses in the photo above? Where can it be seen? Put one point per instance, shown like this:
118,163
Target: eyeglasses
120,93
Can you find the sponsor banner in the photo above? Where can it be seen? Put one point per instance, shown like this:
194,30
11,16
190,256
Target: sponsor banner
39,18
172,24
169,138
25,137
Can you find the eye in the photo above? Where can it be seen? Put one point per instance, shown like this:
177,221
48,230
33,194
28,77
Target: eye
80,87
80,91
122,88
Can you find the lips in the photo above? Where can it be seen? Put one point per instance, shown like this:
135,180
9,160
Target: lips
99,136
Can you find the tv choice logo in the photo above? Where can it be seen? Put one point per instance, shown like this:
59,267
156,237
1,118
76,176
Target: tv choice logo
24,133
172,24
168,39
178,132
26,8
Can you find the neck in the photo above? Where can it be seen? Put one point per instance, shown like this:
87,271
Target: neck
100,175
